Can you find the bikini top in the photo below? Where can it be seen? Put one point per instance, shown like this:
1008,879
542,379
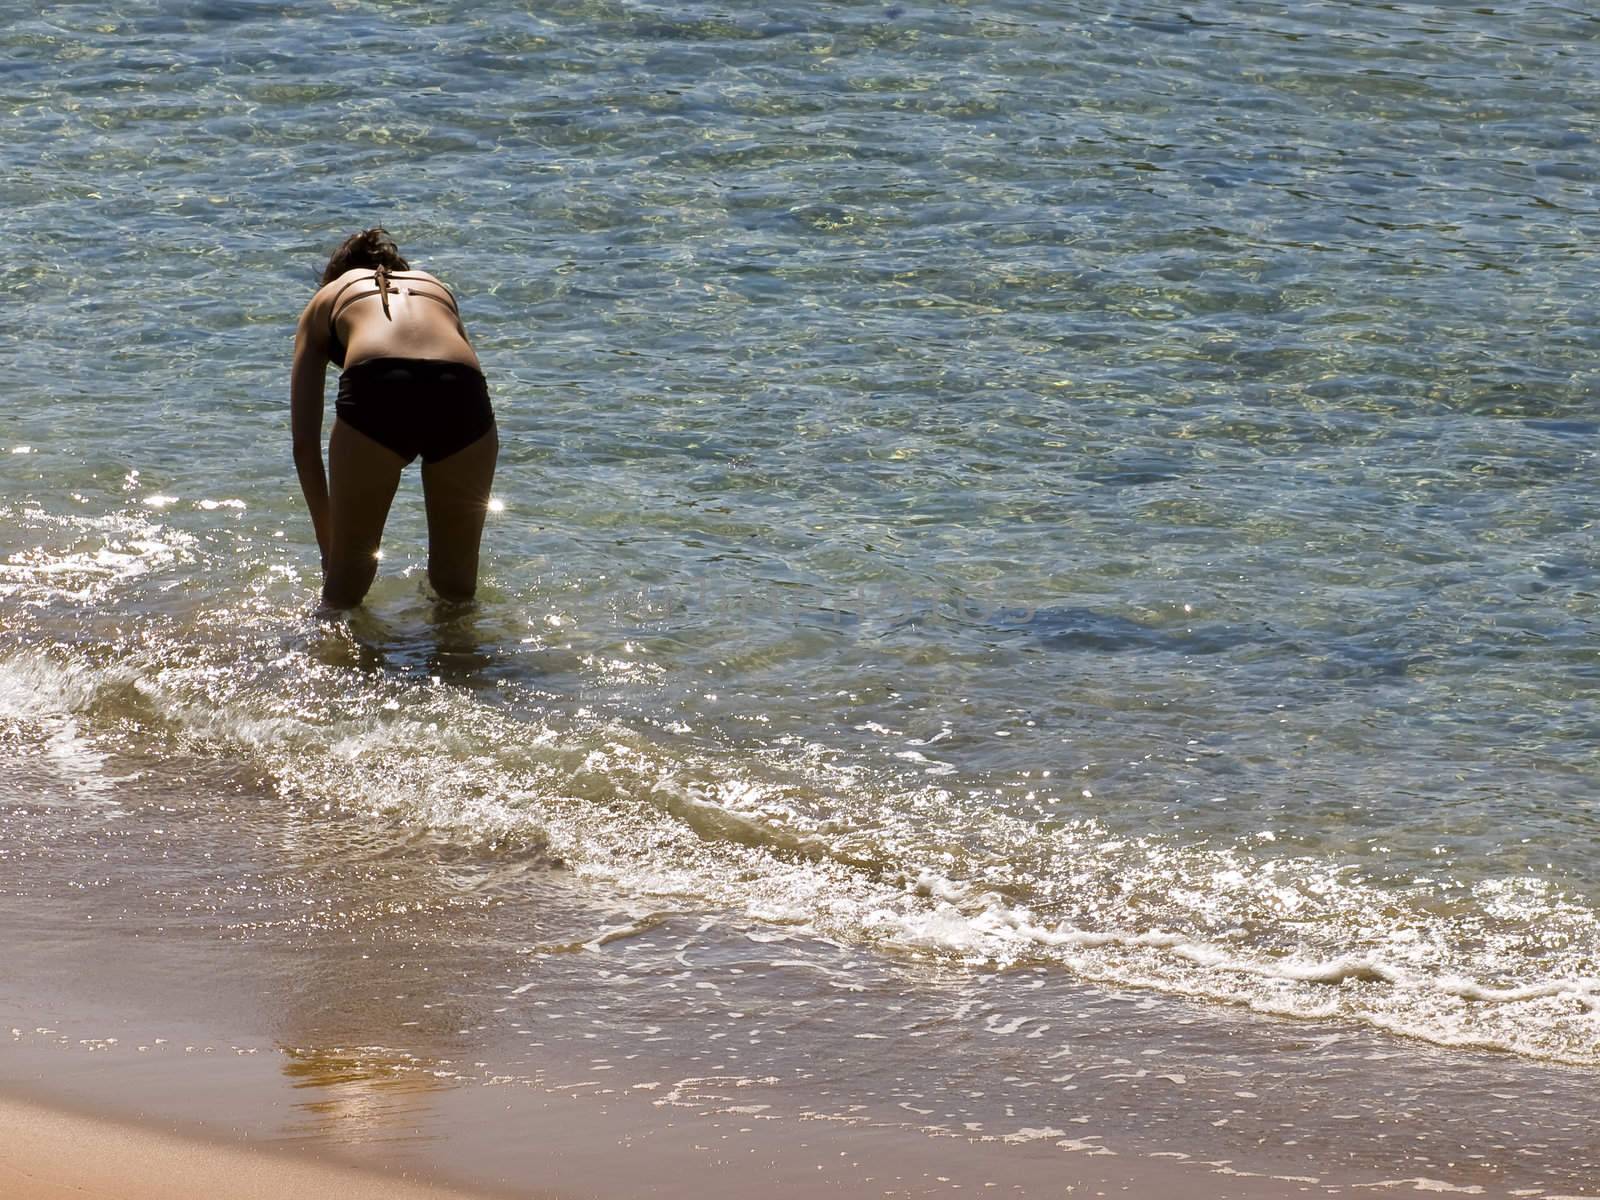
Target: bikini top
382,277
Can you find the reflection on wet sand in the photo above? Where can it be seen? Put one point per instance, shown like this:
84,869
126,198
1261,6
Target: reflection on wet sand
362,1094
400,913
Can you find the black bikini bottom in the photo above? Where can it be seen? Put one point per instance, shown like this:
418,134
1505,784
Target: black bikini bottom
416,406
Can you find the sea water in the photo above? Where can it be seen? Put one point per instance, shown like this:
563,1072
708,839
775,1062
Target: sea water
1006,513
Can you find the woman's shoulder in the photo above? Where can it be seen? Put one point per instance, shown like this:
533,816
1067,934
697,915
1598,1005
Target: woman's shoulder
325,294
353,275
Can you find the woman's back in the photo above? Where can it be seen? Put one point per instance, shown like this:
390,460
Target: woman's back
377,313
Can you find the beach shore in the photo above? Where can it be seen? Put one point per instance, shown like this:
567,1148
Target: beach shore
142,1067
223,994
51,1154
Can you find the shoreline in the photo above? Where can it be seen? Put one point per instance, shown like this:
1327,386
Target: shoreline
52,1153
280,1067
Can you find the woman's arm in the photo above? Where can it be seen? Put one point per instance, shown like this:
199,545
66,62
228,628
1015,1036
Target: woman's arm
307,379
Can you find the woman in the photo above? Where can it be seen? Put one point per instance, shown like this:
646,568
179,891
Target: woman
411,385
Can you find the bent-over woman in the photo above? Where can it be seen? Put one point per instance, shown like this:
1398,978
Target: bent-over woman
411,386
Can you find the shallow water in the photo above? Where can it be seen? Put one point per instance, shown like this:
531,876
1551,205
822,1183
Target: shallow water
1100,495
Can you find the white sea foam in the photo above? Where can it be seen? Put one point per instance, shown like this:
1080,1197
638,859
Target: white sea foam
782,846
84,558
53,700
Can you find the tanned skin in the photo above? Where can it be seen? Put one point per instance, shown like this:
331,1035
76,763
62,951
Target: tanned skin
349,499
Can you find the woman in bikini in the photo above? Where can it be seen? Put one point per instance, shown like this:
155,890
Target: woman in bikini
411,386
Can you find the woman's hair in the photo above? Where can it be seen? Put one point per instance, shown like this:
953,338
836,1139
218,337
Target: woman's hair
369,248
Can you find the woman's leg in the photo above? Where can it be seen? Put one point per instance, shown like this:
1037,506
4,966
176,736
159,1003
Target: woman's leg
456,491
362,477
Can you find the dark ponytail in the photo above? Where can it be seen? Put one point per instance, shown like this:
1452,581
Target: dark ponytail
370,248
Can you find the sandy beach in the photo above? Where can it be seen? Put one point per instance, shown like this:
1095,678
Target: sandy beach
50,1154
238,1117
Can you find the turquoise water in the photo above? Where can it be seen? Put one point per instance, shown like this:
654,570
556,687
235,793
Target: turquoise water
1097,489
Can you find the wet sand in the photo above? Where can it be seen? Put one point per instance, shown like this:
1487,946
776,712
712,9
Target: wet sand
217,1118
50,1154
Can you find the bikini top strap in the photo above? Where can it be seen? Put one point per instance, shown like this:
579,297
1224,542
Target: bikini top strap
448,297
385,278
